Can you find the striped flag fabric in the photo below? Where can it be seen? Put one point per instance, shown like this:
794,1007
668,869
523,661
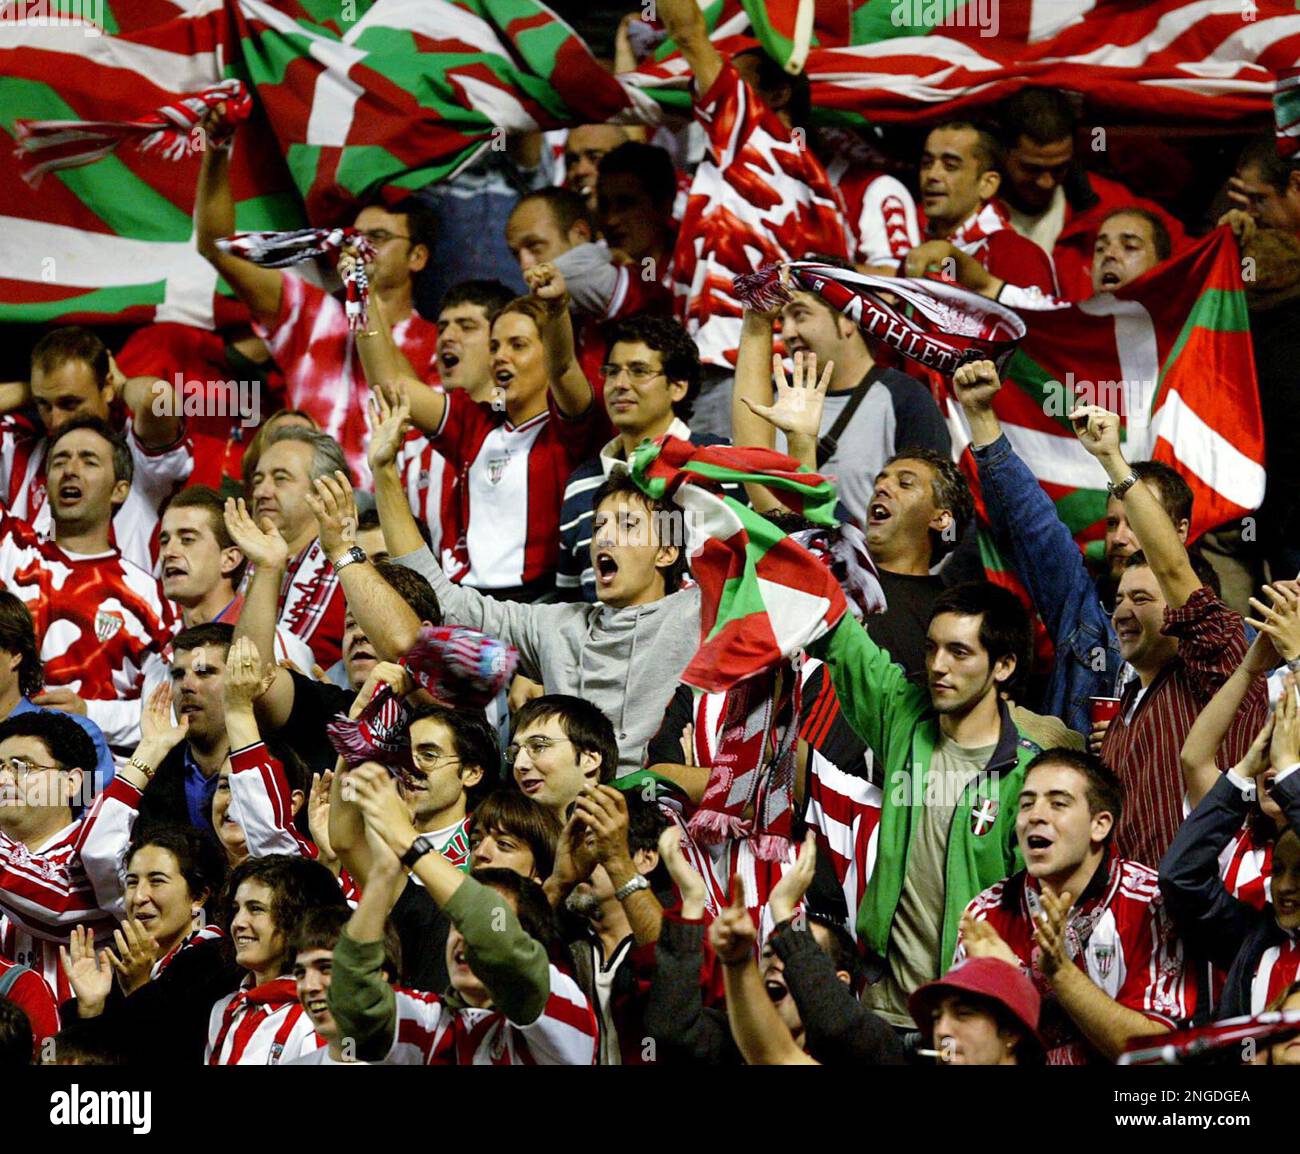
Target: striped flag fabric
763,597
1286,112
1170,353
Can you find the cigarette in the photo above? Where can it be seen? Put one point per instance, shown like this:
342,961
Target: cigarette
928,1054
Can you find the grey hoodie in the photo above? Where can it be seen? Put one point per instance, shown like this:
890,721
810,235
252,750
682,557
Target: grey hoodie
626,662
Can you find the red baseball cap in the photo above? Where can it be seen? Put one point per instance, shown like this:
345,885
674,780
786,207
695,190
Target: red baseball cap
991,978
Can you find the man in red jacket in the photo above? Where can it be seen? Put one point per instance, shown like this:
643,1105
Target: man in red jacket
1049,197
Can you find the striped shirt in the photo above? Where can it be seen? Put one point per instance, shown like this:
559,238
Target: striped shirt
1121,937
1278,968
880,211
511,487
311,605
1144,749
1247,869
73,879
260,1026
322,369
430,1032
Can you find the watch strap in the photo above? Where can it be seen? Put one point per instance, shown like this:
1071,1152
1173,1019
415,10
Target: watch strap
419,847
353,556
629,887
1118,491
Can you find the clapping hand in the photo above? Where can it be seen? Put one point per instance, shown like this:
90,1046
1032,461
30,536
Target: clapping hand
732,933
794,883
390,418
262,545
799,402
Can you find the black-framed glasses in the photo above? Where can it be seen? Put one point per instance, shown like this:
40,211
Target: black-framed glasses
381,236
637,374
536,746
20,767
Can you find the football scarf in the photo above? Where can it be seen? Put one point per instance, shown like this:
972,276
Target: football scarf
51,145
944,326
298,245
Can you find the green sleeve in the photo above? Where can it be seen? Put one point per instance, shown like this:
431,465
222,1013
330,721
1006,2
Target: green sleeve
511,964
361,1000
874,693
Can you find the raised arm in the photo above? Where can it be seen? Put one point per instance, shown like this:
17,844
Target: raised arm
797,410
753,386
156,413
380,610
604,810
386,367
572,391
1098,432
684,23
214,217
390,418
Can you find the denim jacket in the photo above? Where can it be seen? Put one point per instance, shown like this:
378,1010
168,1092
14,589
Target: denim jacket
1050,565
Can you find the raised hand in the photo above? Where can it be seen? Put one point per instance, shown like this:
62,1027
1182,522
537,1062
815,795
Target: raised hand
387,673
89,973
1097,430
976,383
732,933
981,940
794,883
246,679
1284,748
685,876
1281,620
61,698
603,809
798,405
160,732
546,283
1049,932
375,793
1256,760
334,506
390,419
262,545
136,954
1242,224
318,815
575,854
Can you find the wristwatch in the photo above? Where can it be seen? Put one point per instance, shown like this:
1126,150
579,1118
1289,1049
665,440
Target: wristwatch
1118,491
419,847
628,888
353,556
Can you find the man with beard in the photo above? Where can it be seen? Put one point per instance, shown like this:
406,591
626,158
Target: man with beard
1089,925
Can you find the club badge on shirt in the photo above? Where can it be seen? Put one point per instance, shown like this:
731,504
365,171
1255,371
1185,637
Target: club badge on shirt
107,624
497,468
984,816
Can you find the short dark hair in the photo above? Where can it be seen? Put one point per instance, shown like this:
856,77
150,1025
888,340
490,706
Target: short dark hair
200,861
1160,238
663,514
18,635
1261,152
534,912
567,207
71,343
645,822
675,346
297,884
421,220
839,948
1004,621
476,740
123,464
217,634
583,724
206,498
67,743
1205,572
1104,791
16,1040
1175,493
511,812
490,295
320,929
414,588
988,152
951,491
1045,115
772,78
650,164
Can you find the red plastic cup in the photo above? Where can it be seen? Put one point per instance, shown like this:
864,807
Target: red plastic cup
1102,709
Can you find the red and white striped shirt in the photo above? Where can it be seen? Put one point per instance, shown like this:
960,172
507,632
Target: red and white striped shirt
1128,948
156,476
1247,869
261,804
73,879
260,1026
103,622
431,489
880,211
322,369
1278,968
512,486
31,994
429,1032
312,606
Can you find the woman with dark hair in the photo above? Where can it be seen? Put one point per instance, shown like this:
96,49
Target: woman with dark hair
263,1023
170,963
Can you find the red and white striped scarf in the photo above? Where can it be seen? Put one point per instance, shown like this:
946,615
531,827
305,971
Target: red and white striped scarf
272,249
307,591
206,934
245,1014
944,327
52,145
979,226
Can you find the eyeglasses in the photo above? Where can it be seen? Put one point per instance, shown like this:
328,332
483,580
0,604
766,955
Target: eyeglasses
536,746
379,236
427,757
20,767
637,374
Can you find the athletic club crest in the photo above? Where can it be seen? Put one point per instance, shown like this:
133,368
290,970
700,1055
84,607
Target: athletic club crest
983,816
497,467
107,624
1104,957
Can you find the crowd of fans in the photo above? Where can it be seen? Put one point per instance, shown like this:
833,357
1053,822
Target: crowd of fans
997,859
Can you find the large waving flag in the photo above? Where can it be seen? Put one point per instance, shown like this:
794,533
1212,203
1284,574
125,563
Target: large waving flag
1286,112
1170,353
